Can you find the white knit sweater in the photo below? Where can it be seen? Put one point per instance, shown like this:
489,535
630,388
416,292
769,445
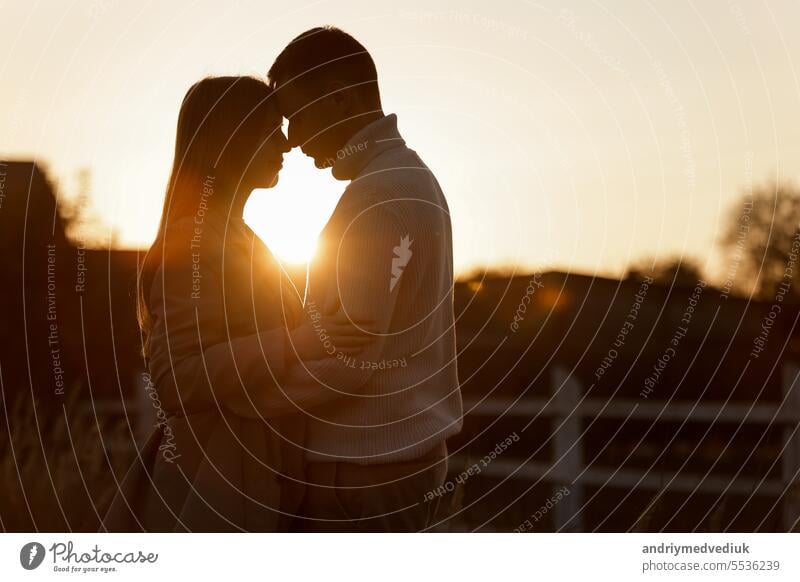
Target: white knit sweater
387,255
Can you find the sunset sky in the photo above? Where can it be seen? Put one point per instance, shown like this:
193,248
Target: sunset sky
578,135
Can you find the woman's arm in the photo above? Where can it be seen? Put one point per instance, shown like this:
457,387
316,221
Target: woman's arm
263,390
256,388
193,306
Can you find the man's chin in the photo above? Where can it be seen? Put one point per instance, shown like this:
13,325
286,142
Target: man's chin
321,162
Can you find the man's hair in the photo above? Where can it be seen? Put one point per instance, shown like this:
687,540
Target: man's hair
327,53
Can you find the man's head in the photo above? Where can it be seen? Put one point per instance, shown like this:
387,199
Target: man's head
327,87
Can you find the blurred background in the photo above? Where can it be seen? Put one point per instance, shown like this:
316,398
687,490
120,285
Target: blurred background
623,183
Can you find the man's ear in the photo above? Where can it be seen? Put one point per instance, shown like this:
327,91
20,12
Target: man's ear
335,92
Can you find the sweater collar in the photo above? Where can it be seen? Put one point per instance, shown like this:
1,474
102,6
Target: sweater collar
371,141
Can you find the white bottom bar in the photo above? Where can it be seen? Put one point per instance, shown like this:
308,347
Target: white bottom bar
418,557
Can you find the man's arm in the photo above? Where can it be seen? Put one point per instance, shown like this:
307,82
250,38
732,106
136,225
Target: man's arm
361,284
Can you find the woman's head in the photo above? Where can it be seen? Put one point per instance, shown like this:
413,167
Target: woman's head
229,129
228,142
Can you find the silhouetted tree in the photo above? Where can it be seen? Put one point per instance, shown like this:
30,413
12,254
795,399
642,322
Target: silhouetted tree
82,226
677,271
758,238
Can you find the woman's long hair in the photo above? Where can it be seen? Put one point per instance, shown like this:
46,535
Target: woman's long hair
220,125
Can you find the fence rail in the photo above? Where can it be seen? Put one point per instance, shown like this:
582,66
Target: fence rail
567,408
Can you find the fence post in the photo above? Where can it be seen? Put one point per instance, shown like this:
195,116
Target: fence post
567,448
791,455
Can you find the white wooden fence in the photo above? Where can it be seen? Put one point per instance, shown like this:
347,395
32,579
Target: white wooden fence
567,408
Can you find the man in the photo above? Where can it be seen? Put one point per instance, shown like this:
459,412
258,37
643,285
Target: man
377,445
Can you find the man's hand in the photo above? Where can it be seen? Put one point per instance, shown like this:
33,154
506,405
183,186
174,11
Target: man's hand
329,335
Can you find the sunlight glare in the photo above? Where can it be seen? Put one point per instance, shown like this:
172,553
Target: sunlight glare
290,216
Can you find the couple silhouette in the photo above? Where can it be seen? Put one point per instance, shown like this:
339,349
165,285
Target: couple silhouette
274,412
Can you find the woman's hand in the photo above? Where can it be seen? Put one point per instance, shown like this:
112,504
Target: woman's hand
328,336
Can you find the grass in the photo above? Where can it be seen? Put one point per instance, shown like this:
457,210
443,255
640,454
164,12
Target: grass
54,475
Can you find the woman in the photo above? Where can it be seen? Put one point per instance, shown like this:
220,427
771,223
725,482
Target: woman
207,280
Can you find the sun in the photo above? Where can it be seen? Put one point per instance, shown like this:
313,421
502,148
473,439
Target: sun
290,216
281,227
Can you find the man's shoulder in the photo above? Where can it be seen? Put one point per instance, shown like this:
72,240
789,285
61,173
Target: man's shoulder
396,173
396,158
